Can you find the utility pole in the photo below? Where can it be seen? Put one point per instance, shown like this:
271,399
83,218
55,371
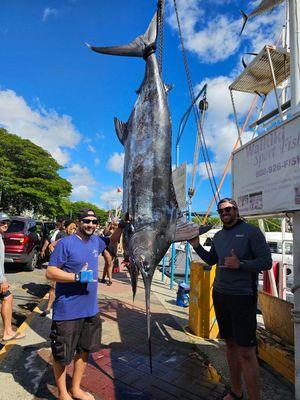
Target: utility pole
294,14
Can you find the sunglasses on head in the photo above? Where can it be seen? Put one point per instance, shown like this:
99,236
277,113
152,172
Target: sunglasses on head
88,221
226,209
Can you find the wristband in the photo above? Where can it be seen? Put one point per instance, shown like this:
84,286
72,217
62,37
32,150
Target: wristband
77,277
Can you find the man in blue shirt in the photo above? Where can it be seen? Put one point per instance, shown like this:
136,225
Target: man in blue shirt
76,326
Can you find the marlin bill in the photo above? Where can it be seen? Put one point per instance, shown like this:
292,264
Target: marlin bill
264,6
149,199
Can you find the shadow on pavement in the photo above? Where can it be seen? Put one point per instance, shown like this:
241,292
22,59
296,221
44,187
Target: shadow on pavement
121,369
36,289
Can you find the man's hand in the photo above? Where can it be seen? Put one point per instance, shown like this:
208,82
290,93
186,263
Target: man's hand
194,241
52,246
232,262
4,286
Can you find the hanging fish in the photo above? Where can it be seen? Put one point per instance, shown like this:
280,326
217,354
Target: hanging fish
148,195
264,6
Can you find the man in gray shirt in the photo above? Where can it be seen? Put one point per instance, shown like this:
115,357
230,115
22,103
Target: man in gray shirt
5,295
240,252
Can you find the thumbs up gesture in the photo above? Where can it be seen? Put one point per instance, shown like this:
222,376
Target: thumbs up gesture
232,261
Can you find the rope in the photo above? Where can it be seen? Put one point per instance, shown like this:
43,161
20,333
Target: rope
160,22
195,110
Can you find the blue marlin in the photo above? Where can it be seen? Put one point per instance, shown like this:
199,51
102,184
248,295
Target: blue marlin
149,198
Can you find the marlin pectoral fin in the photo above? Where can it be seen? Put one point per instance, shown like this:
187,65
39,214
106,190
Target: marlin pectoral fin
186,230
121,129
137,47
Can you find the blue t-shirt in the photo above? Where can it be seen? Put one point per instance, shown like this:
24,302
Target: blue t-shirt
76,300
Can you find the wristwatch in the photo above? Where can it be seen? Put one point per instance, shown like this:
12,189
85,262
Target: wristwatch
242,264
77,277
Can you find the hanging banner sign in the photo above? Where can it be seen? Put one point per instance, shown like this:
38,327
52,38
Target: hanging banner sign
179,182
266,171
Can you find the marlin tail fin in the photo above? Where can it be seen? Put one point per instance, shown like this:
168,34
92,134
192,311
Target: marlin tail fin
138,48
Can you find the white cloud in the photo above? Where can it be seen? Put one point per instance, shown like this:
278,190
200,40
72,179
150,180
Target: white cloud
217,36
99,136
82,181
46,128
48,12
264,29
219,129
218,41
91,149
97,161
81,193
116,163
112,198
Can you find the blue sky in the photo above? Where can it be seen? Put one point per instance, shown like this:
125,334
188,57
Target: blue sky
57,93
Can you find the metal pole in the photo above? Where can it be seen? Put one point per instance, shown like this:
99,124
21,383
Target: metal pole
295,54
173,250
163,269
294,13
173,255
296,311
236,117
274,83
187,247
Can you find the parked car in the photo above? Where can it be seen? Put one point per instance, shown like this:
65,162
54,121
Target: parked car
22,241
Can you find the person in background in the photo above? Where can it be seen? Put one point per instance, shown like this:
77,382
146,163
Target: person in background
76,327
51,238
69,229
240,252
6,296
109,253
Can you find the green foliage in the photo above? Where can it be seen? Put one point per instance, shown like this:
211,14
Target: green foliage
214,221
78,205
29,178
271,224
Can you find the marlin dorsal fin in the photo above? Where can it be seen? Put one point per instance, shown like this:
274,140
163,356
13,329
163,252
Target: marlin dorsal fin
121,129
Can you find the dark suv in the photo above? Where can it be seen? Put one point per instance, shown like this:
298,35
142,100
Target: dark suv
22,241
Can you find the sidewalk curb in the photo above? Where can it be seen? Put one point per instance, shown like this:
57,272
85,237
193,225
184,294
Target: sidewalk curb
22,328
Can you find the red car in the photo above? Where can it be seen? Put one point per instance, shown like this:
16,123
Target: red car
22,241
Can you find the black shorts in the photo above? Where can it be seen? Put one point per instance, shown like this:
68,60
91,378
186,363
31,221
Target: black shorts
77,335
236,316
5,295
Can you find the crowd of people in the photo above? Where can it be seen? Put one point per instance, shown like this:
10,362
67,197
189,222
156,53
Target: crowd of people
239,250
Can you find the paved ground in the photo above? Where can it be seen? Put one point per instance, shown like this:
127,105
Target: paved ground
28,289
121,369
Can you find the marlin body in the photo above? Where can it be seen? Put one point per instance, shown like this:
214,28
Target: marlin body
149,199
264,6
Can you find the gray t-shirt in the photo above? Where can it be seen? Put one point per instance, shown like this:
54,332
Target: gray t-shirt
251,248
2,255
